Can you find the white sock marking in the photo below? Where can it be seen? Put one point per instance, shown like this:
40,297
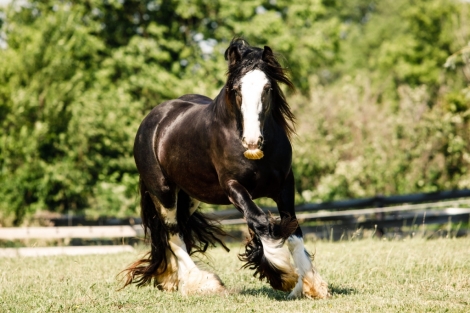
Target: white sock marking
297,249
185,264
301,260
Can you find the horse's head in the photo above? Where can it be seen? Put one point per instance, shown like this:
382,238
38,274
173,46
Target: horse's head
254,94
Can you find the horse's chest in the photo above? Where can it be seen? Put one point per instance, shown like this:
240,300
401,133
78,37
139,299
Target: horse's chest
259,181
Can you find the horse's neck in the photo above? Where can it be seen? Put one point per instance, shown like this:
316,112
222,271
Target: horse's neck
221,110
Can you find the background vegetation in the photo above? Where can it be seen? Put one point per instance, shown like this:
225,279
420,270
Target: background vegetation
382,103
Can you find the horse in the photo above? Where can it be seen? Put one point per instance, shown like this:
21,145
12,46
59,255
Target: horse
229,150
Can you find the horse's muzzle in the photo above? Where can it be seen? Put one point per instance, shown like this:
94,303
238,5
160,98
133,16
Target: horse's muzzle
253,144
253,151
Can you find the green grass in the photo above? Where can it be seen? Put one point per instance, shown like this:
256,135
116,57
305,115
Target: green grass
364,276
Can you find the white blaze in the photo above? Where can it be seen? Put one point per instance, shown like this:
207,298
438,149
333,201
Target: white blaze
252,85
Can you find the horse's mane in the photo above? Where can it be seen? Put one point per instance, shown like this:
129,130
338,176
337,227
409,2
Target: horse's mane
244,58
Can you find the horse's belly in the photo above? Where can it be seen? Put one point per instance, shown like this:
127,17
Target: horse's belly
208,194
199,184
191,170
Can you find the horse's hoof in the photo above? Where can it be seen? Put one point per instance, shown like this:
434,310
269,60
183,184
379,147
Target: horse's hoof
201,282
314,287
295,294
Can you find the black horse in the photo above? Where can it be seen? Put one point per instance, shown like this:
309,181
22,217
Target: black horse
232,149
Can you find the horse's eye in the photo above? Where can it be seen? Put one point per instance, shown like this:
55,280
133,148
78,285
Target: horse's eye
267,90
238,96
265,94
236,91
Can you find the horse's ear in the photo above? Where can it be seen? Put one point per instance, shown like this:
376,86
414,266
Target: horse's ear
267,54
233,54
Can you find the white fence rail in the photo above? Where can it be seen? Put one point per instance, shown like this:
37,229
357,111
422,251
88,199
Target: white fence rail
65,232
85,232
67,250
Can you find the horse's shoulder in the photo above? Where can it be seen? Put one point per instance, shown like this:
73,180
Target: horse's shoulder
195,98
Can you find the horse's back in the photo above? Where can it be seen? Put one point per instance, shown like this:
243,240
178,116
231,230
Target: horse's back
195,98
168,110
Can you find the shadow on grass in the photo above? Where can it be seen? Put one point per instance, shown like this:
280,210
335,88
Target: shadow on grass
266,291
341,290
282,296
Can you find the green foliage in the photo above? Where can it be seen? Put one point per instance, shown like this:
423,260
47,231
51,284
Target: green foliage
378,110
44,70
354,148
403,43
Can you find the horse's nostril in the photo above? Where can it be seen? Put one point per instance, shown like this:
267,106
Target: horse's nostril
244,143
253,144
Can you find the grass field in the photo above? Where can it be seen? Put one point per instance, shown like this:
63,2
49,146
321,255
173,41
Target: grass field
364,276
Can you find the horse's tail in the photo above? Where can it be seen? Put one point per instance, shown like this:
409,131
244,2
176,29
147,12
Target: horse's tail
154,263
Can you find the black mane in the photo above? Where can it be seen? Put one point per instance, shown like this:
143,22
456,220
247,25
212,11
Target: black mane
244,58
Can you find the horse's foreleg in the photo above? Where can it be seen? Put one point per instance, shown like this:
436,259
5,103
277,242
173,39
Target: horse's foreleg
310,283
265,252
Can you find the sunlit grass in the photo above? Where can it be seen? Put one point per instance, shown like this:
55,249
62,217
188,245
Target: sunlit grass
364,276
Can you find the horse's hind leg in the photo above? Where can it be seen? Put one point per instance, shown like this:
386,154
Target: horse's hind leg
191,279
160,265
174,228
165,278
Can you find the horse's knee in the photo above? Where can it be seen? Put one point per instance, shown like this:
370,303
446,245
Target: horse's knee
259,224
